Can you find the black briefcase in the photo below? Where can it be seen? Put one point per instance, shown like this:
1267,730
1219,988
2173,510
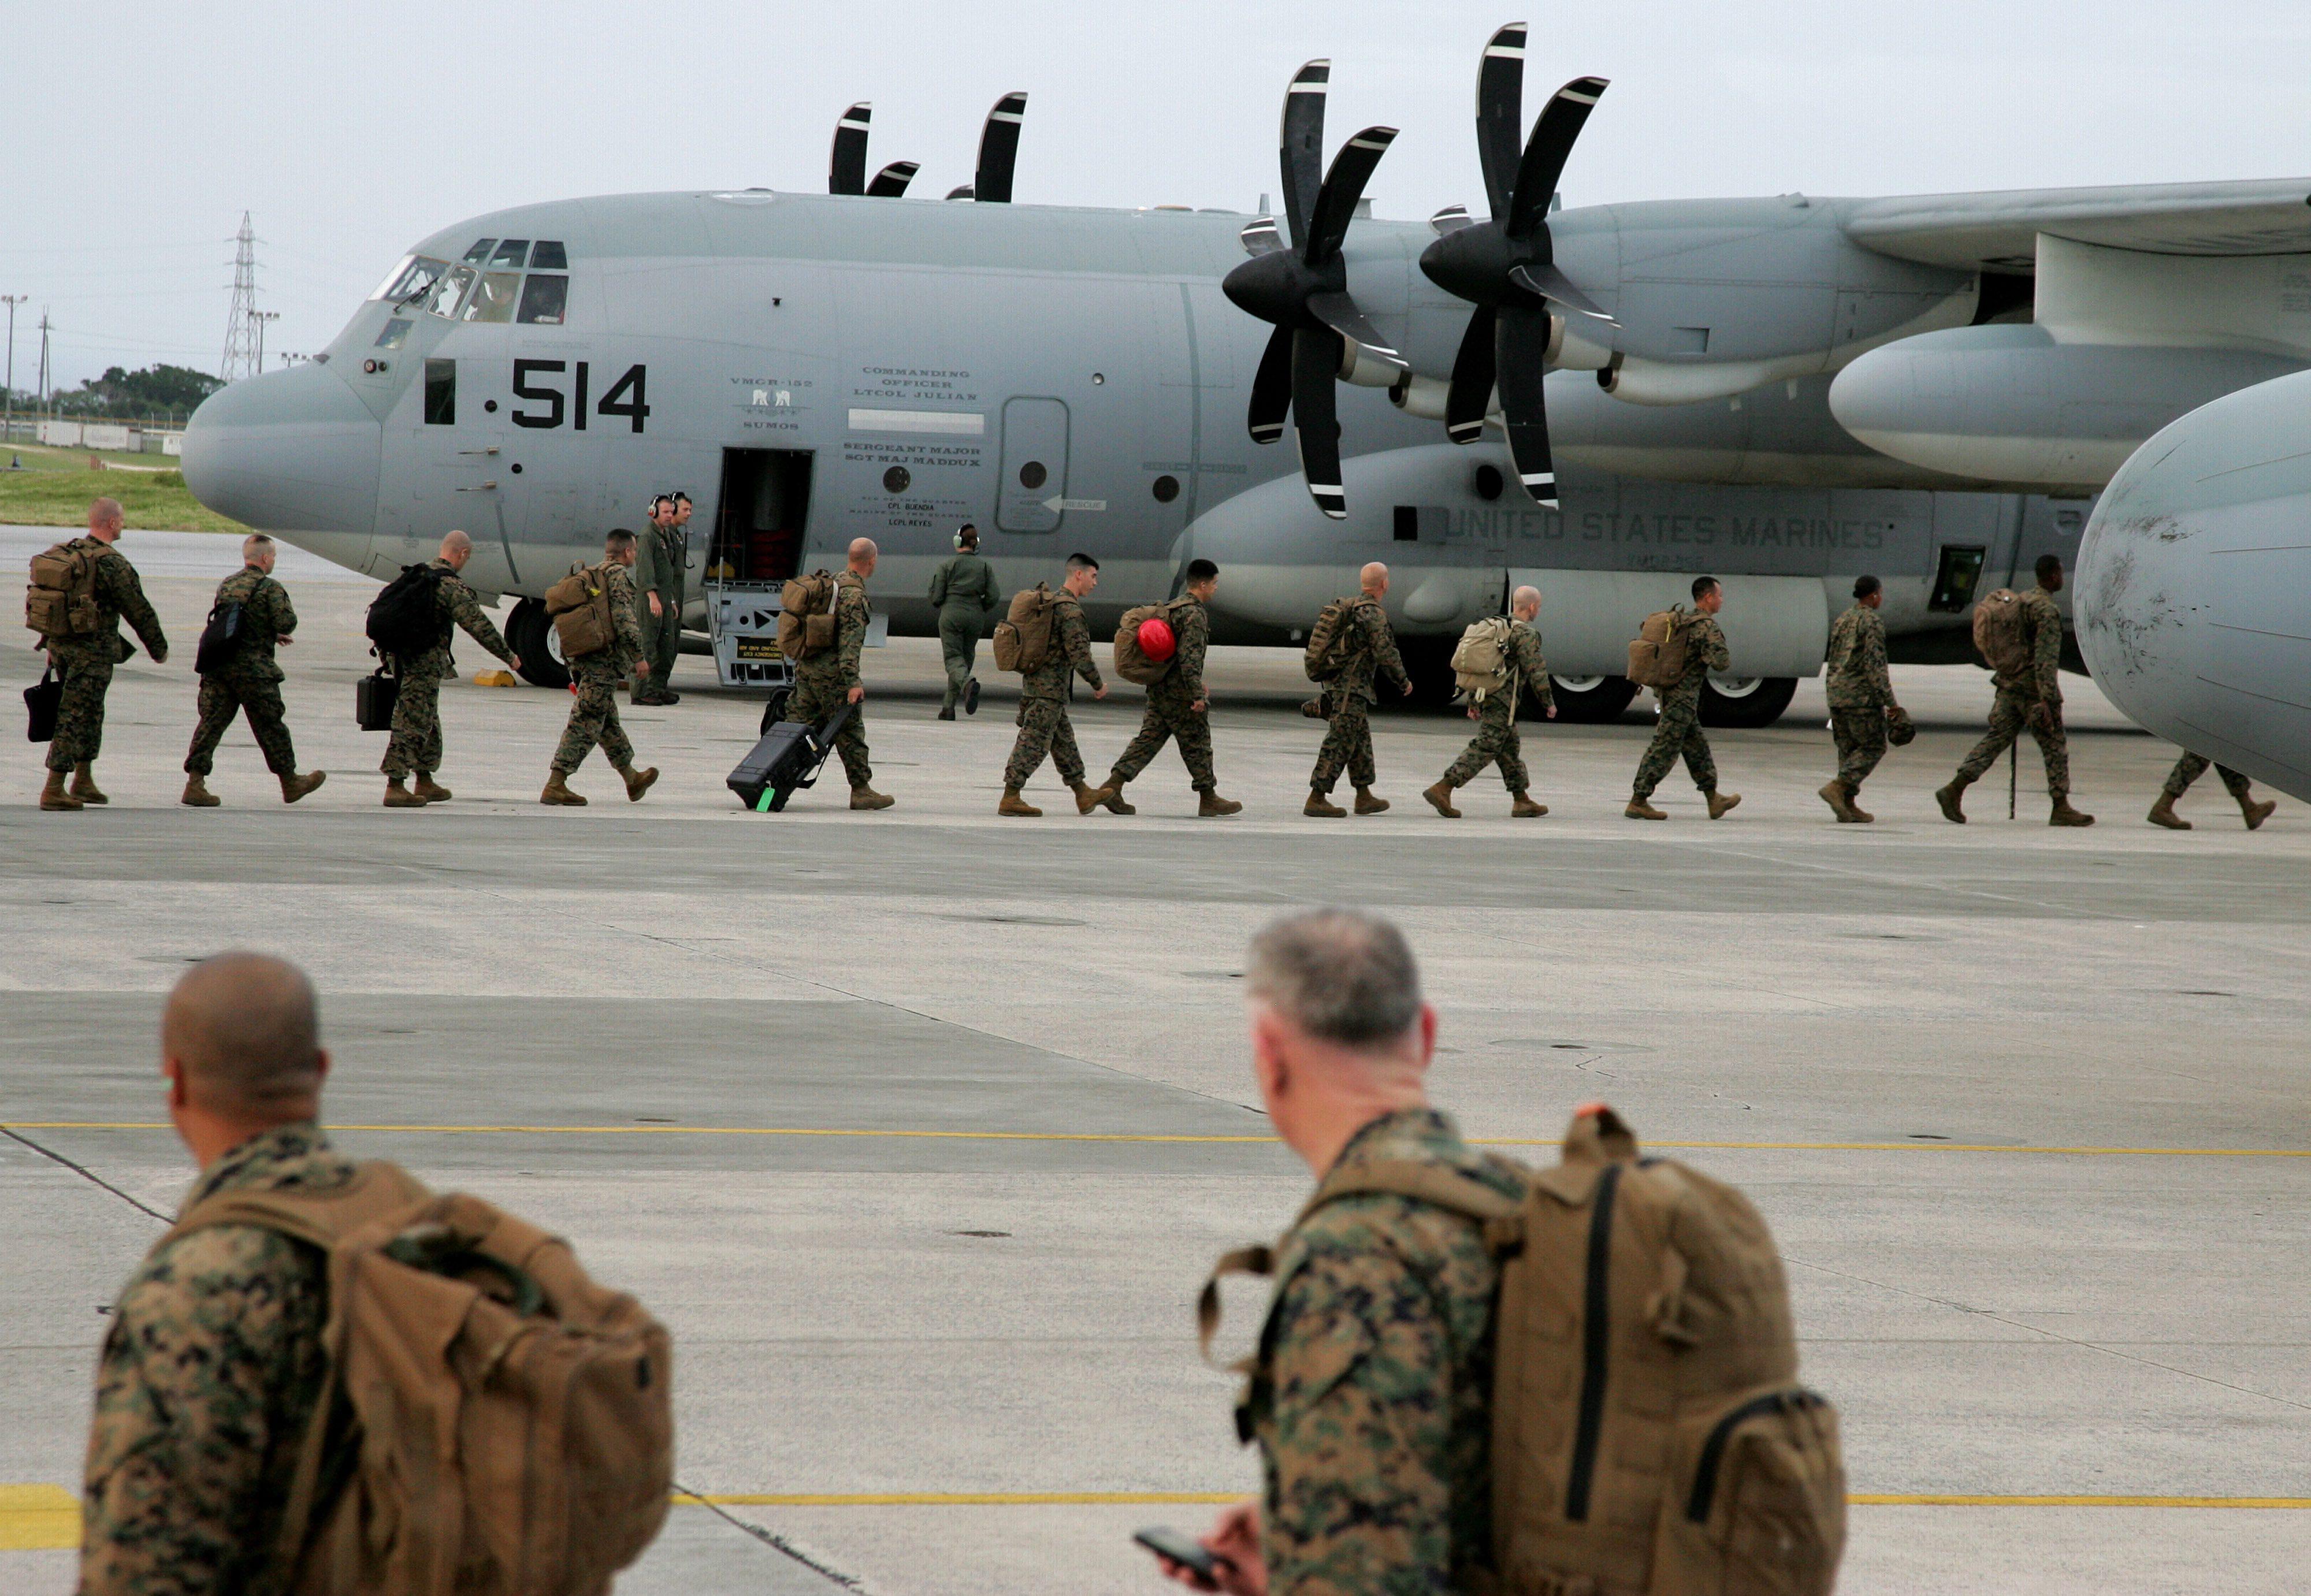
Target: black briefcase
374,696
786,760
41,700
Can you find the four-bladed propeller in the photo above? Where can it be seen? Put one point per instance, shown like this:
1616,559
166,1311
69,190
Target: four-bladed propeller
991,184
1507,266
1302,289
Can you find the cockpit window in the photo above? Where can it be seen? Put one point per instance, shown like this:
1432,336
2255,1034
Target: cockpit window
548,256
543,299
414,275
480,252
493,299
443,297
511,253
395,333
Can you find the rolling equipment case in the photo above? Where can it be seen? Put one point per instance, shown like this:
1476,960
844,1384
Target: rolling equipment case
785,761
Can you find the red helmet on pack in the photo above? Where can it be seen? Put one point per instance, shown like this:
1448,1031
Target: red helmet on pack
1157,640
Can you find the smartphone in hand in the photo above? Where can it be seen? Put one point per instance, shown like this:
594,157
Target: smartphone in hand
1183,1549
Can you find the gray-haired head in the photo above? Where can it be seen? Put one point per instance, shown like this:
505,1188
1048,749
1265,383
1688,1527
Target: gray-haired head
1340,975
247,1030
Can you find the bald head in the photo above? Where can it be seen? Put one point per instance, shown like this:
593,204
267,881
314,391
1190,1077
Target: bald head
1524,604
1373,579
863,556
104,520
457,548
244,1031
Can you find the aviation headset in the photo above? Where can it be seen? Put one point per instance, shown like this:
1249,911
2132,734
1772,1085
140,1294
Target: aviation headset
965,534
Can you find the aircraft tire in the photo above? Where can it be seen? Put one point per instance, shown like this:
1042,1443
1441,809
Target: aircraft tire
531,636
1585,699
1756,703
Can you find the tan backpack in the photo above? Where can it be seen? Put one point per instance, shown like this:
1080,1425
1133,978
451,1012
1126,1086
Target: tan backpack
1649,1434
60,600
1481,664
494,1422
2001,631
1132,661
1023,638
579,605
806,615
1332,641
1657,656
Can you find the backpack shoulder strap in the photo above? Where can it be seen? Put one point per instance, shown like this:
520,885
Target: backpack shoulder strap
1431,1183
320,1219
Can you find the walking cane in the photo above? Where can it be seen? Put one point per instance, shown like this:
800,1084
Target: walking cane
2013,773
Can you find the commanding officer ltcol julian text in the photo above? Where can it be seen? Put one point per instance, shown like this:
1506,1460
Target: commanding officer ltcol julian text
2032,697
84,654
1043,725
1861,692
1178,707
1348,744
1497,738
963,591
1678,730
416,745
829,679
594,716
247,680
661,583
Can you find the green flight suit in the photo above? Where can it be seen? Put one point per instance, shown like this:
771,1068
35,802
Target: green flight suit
962,590
660,555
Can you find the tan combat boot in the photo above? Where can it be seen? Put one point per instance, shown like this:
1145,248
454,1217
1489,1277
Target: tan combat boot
1721,803
1367,804
2256,814
2063,814
1523,808
2162,812
1211,806
1840,802
53,797
638,782
1440,799
1319,806
1110,799
431,790
292,785
398,795
197,795
1013,804
1947,797
866,797
1087,797
83,784
1640,809
557,792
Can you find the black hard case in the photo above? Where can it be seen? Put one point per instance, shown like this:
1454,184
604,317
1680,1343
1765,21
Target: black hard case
786,760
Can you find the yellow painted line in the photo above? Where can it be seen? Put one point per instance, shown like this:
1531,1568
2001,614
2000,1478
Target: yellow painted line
1153,1498
1124,1136
2297,1503
37,1518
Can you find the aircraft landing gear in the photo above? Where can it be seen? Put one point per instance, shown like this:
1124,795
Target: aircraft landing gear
531,635
1588,700
1747,701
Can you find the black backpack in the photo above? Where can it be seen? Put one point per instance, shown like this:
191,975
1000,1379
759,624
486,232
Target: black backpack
405,619
220,639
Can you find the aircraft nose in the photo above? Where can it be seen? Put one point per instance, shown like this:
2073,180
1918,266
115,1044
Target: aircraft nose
293,453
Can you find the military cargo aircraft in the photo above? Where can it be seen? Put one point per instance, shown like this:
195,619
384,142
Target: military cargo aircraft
1601,400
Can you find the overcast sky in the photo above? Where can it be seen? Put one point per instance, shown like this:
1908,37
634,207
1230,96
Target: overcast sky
142,131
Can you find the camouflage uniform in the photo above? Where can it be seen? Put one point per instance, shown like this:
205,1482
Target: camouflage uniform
1168,714
963,591
1496,739
1043,725
415,744
659,552
2191,766
206,1390
251,679
84,661
594,717
823,683
2019,692
1348,744
1859,691
1372,1405
1678,730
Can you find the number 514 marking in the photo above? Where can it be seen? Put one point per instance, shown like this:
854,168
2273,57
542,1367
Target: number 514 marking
627,398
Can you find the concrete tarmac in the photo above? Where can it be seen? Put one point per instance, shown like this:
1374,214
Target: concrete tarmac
921,1128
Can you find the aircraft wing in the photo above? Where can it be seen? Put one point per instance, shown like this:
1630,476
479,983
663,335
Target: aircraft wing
1998,231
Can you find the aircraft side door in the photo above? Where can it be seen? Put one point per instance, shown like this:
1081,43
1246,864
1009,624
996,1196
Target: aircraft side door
1032,495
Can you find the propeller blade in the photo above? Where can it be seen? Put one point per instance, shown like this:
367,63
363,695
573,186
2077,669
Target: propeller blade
1521,360
1344,185
1302,141
1500,114
999,150
961,191
1545,153
1271,388
1451,219
1260,236
1472,393
1316,355
846,168
1338,311
892,181
1543,278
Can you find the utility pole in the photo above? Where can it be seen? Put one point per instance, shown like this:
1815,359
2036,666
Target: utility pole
45,326
241,327
258,318
12,300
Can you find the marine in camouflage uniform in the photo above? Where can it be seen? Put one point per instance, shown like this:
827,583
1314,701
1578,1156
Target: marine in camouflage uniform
1371,1403
1172,713
414,746
83,663
1348,743
594,714
660,550
822,684
1497,741
2189,769
1861,692
250,684
206,1388
1678,729
2028,698
1045,728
